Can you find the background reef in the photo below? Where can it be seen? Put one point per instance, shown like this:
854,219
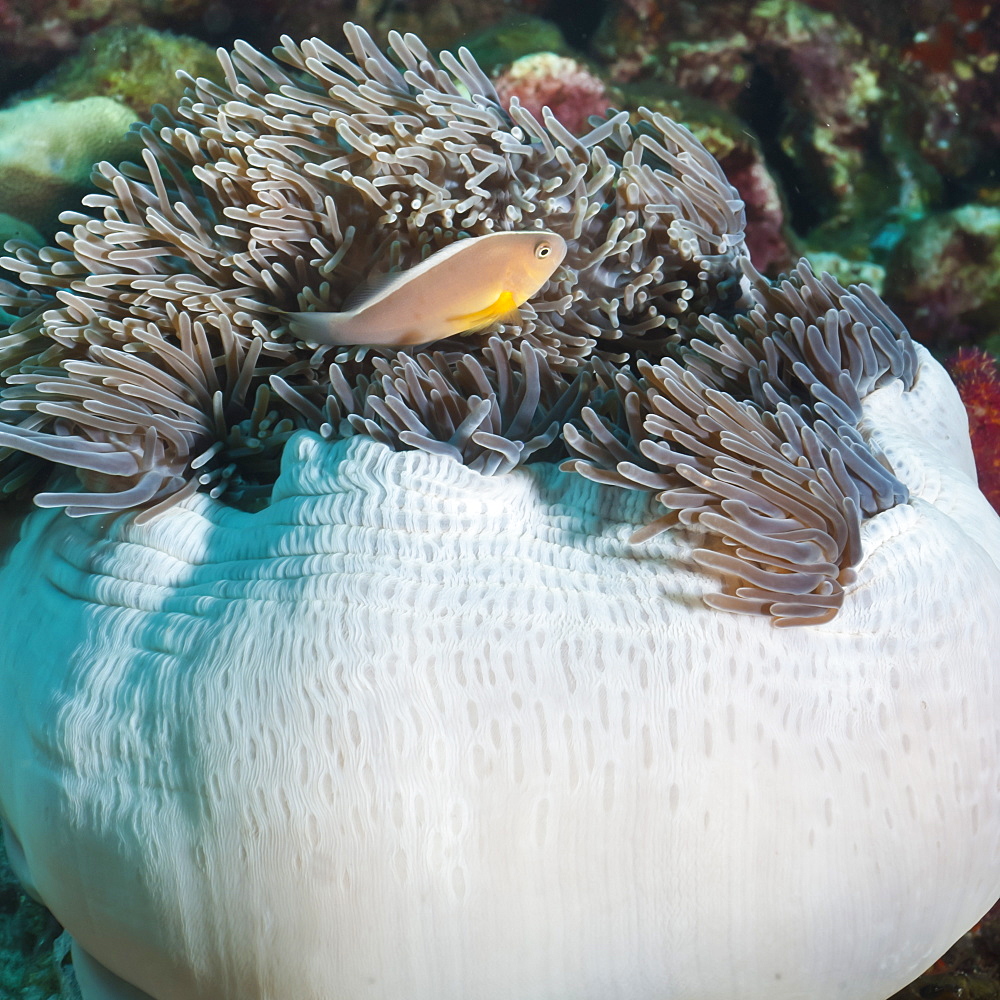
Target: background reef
863,135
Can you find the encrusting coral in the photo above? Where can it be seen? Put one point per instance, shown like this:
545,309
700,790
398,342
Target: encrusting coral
414,675
566,87
152,355
47,150
977,377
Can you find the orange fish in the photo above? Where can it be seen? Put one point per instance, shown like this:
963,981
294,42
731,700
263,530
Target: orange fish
469,285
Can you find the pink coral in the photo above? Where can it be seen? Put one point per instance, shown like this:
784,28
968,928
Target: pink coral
978,379
570,91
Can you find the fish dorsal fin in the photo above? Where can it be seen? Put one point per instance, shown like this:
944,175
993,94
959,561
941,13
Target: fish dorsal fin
371,288
374,287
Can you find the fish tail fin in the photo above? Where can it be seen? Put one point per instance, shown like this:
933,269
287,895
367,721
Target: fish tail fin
319,327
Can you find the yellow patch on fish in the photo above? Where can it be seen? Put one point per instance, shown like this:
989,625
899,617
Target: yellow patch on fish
466,287
504,307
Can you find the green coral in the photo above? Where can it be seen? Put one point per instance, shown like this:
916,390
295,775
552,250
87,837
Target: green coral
47,150
846,270
134,65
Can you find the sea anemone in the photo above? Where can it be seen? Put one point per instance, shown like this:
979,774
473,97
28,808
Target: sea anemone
151,353
453,672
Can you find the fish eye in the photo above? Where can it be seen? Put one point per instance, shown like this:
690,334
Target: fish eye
543,250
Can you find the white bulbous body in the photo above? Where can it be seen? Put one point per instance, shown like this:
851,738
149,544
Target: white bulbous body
415,734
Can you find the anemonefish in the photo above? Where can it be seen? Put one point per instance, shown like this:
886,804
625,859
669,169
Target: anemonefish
467,286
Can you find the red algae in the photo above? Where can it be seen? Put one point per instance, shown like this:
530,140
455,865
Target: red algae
977,376
956,35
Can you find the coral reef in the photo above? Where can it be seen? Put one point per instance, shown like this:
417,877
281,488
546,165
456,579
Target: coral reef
48,149
132,64
969,970
33,972
950,63
977,376
869,117
498,45
439,22
566,87
945,275
34,34
802,79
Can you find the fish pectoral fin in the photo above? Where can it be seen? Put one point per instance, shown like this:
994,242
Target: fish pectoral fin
503,310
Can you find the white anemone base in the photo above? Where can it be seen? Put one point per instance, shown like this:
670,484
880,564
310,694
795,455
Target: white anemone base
415,734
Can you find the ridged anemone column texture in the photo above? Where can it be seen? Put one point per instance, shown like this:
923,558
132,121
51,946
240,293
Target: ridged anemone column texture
413,733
